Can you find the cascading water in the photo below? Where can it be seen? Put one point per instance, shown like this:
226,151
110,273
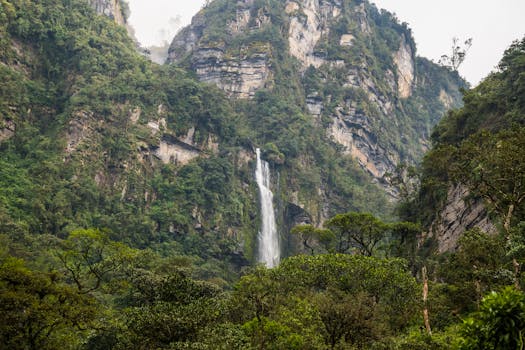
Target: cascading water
269,253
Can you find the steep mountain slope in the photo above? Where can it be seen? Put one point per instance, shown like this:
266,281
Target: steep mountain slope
351,68
94,135
474,175
128,204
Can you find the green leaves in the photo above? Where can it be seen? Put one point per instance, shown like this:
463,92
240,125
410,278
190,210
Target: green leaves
170,309
342,298
499,324
359,231
38,312
90,259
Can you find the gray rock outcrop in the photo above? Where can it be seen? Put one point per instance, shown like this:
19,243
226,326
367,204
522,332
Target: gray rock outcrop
109,8
459,214
309,21
7,130
404,61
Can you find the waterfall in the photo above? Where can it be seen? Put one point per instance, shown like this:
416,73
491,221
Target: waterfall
269,253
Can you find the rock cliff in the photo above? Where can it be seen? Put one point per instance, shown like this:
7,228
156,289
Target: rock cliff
331,91
240,74
370,92
7,130
111,8
309,21
459,214
240,77
405,65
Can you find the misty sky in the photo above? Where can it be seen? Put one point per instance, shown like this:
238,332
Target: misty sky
493,25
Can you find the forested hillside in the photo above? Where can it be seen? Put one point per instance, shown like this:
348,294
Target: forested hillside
479,148
352,72
86,123
129,211
94,135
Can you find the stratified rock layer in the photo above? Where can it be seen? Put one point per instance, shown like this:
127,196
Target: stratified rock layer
457,216
372,103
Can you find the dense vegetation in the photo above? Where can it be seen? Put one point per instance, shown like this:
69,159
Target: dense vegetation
356,84
77,160
73,84
104,247
480,146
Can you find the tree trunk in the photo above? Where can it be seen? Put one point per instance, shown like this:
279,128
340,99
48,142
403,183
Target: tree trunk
506,226
516,274
425,301
508,218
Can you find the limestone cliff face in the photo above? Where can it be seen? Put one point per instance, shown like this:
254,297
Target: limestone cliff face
110,8
240,77
364,62
182,150
404,61
167,148
240,74
309,21
457,216
353,131
357,131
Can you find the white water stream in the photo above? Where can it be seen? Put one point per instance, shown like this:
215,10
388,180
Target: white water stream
269,252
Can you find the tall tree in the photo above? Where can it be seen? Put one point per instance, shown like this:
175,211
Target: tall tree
89,258
360,231
493,166
458,54
39,312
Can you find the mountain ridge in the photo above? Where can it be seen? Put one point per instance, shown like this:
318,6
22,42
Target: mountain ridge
158,157
239,56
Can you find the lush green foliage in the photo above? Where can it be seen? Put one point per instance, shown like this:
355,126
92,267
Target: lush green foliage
479,147
103,294
82,101
475,142
104,247
499,323
38,311
363,234
73,81
325,288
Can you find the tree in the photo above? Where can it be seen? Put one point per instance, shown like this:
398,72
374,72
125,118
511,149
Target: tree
38,312
340,300
404,242
457,56
386,281
475,268
272,335
168,310
89,258
493,166
312,236
255,295
352,318
498,325
360,231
